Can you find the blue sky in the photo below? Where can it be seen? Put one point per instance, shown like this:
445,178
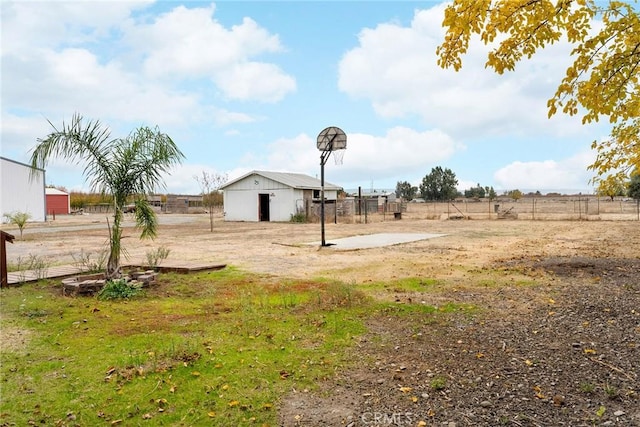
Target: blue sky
249,85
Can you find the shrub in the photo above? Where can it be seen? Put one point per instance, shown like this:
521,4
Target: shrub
85,262
18,218
154,257
298,217
119,289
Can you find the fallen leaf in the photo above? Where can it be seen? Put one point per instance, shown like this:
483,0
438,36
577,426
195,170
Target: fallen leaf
589,351
211,414
405,389
233,403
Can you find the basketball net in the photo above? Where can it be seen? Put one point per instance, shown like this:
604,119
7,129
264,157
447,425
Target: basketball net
338,156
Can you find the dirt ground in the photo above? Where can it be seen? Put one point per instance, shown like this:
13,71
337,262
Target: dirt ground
554,338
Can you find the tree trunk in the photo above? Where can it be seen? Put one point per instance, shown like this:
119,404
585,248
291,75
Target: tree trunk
115,234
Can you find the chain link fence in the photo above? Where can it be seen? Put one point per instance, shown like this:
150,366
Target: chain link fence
354,210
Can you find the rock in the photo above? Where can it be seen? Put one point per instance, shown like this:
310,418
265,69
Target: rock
485,404
618,413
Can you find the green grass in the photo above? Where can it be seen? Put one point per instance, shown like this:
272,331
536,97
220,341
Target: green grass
214,348
409,284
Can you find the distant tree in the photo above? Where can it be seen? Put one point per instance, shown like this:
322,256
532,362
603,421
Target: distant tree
122,167
477,192
633,187
210,184
18,218
405,190
491,193
611,187
602,81
440,184
515,195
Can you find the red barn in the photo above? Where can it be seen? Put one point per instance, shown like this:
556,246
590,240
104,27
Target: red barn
58,202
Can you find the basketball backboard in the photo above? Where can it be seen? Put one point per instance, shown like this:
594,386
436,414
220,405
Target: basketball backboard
331,139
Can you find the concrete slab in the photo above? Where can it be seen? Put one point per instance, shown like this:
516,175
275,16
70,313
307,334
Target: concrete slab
376,240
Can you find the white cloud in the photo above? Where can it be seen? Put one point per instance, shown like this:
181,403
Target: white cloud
255,80
64,57
395,68
568,174
53,24
400,152
190,43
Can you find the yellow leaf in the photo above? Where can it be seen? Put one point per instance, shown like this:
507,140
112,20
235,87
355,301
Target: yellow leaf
589,351
479,355
225,387
267,406
421,423
233,403
211,414
528,362
195,373
414,399
405,389
552,301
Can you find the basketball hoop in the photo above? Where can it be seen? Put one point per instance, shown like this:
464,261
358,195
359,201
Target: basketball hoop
331,140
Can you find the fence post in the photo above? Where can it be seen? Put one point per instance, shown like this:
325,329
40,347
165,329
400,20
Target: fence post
4,238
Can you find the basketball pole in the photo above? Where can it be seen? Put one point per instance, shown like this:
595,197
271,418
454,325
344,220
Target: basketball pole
323,160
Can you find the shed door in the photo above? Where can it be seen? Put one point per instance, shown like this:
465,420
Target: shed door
263,207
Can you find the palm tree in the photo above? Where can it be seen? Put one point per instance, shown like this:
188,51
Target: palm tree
127,168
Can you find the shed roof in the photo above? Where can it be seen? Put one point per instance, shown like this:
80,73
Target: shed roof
295,180
54,191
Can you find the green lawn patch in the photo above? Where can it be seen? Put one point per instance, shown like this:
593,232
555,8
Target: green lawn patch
213,348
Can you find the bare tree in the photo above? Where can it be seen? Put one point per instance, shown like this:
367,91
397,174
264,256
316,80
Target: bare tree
210,183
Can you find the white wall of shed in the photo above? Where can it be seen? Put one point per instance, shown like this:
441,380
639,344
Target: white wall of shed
20,193
240,205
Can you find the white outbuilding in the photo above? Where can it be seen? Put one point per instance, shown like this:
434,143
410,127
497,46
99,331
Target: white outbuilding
273,196
21,191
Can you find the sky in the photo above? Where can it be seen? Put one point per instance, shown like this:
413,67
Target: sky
249,85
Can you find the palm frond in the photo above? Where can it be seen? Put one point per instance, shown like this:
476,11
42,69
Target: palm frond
77,141
146,219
